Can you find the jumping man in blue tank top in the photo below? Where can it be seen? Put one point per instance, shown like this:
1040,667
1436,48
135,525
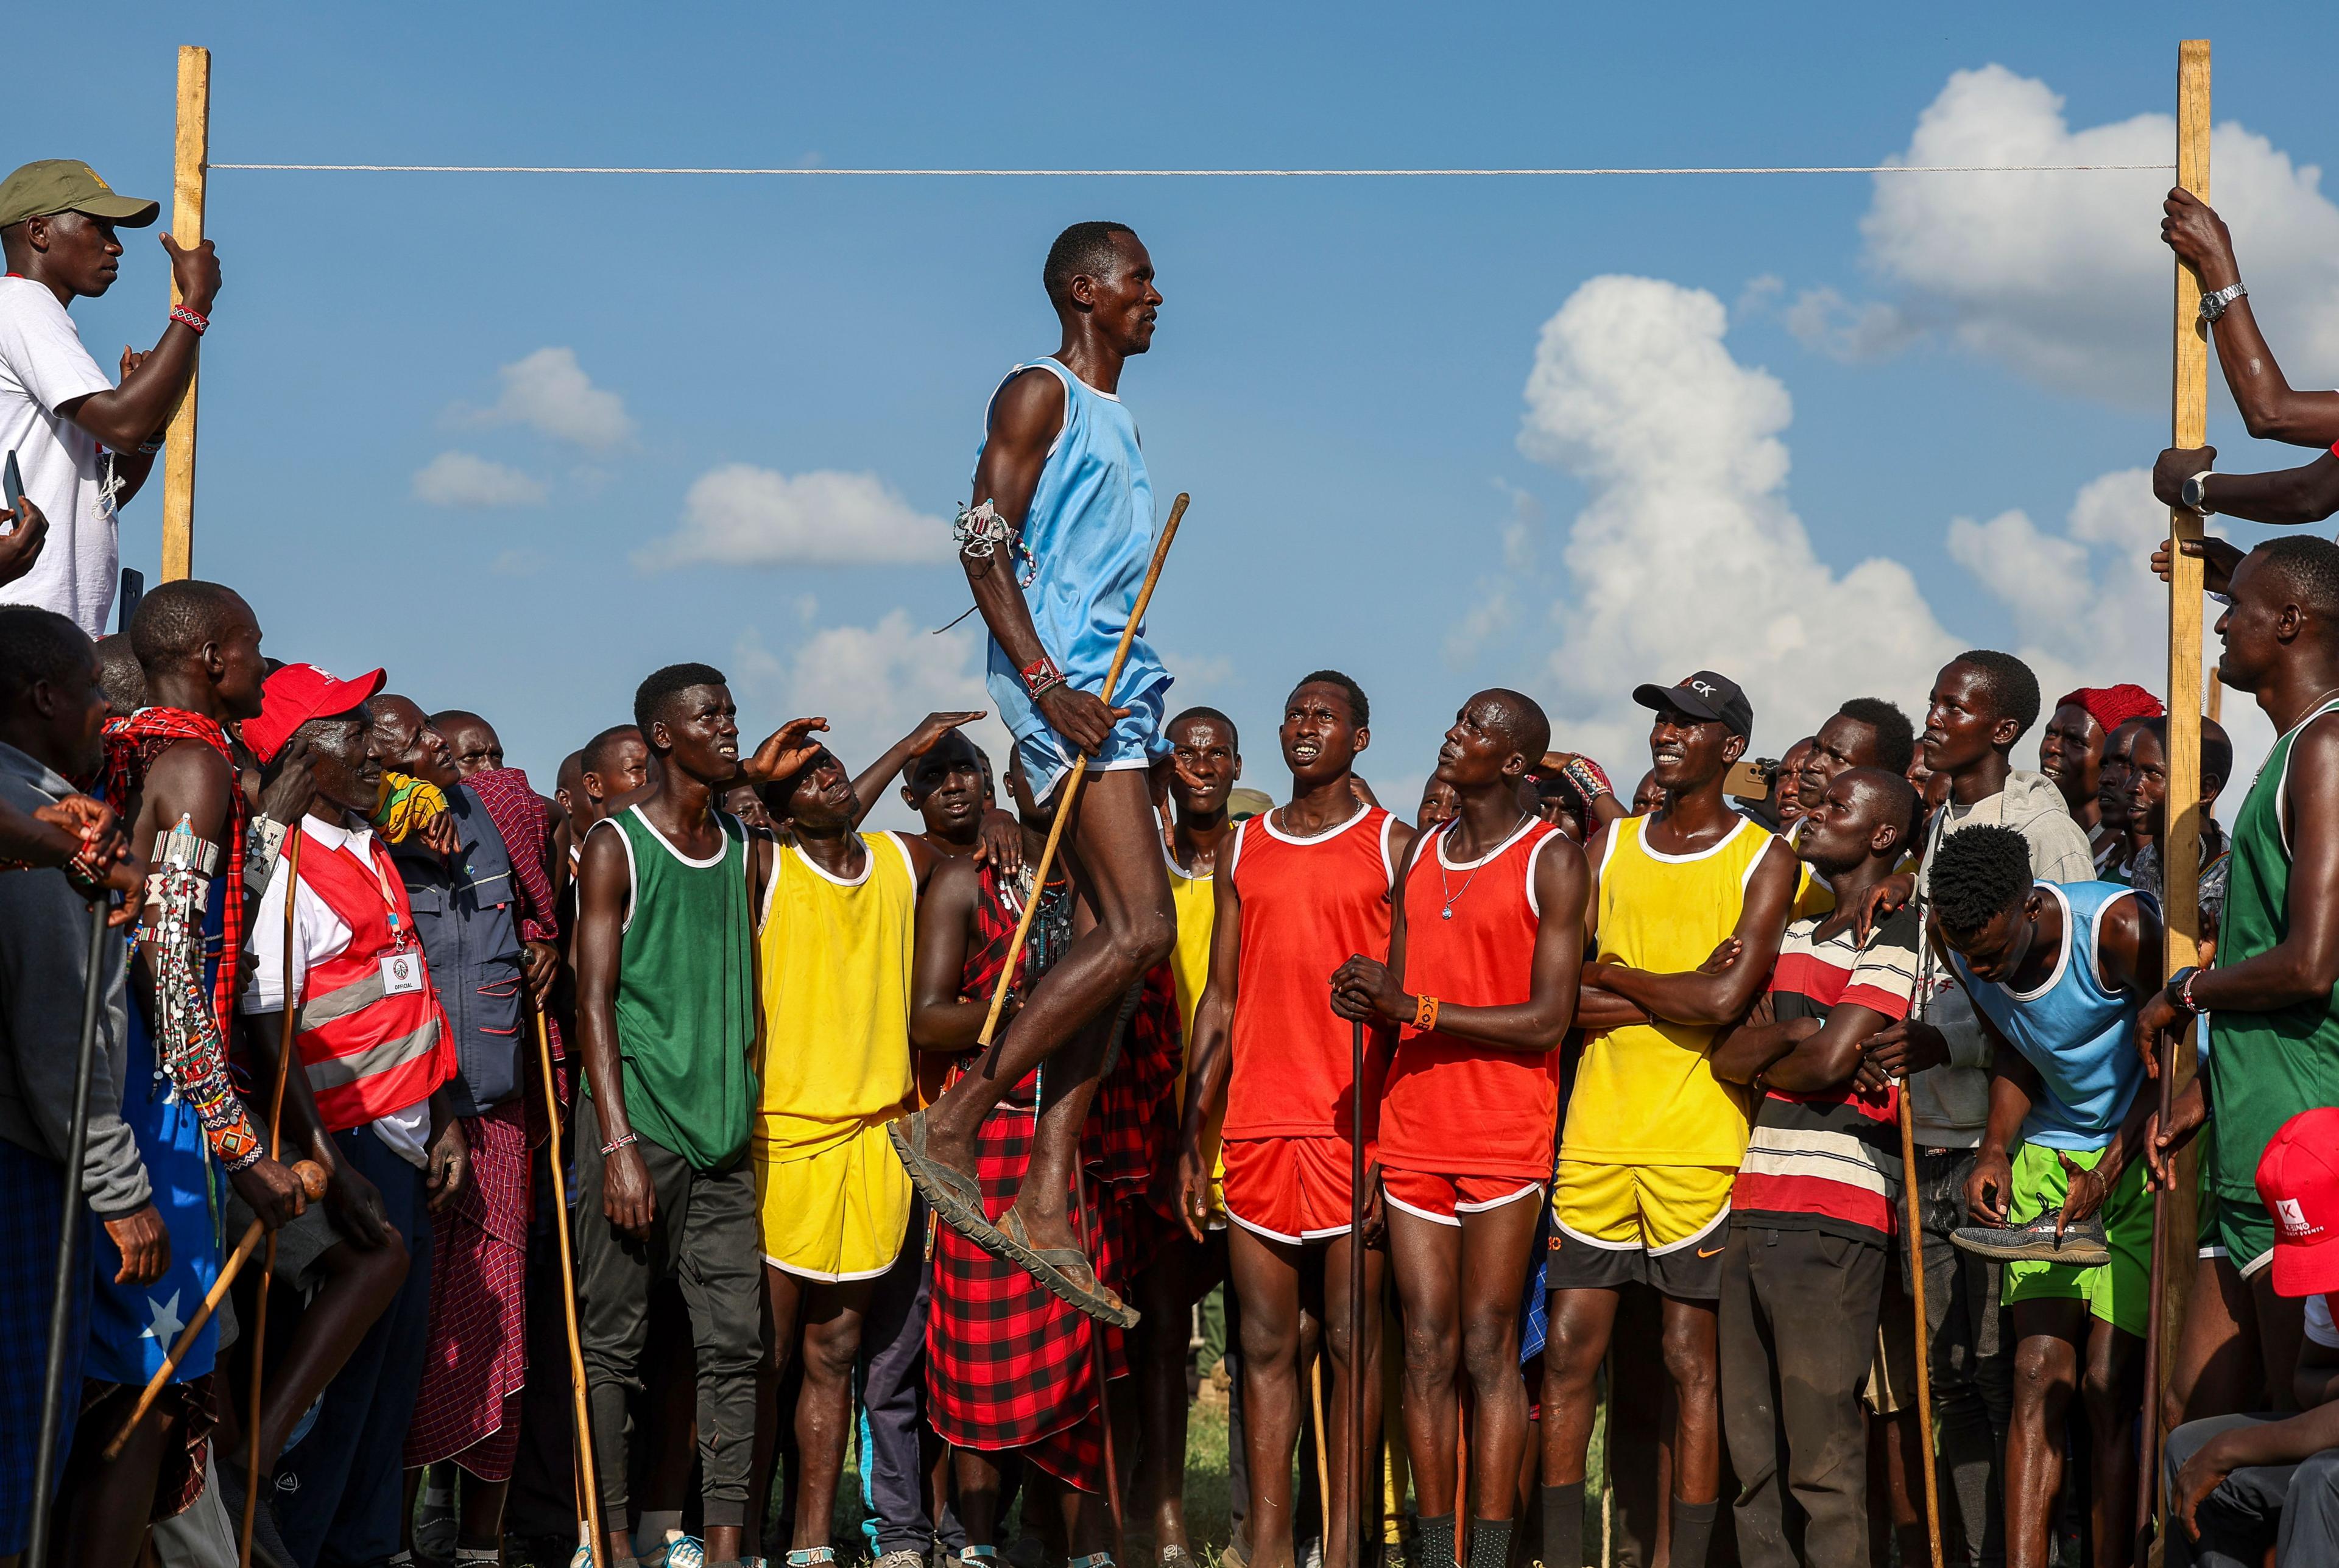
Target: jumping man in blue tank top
2057,975
1055,544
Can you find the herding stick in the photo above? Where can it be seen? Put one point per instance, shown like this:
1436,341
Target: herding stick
285,1050
1098,1367
590,1491
2147,1480
1323,1454
2174,1205
192,173
311,1177
1924,1422
1357,1469
69,1230
1079,772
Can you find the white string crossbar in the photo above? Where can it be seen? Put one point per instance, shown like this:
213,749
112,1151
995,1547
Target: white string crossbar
1200,174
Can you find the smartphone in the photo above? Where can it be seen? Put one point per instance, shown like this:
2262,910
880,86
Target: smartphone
1749,780
125,603
12,489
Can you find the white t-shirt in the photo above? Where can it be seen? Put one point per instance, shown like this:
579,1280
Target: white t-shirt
42,365
318,933
2319,1327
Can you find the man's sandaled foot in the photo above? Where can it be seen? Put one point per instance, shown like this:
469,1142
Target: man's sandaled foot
955,1198
1065,1271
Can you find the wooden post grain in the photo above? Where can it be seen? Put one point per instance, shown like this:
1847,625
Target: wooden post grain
192,165
2174,1210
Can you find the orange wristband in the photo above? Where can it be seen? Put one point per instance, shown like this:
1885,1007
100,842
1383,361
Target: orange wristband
1425,1012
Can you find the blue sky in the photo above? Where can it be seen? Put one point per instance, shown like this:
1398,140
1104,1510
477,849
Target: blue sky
1779,378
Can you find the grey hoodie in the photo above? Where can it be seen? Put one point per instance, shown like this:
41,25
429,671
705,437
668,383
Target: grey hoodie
1950,1105
43,974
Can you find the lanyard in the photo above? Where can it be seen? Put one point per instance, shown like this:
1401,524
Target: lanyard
398,933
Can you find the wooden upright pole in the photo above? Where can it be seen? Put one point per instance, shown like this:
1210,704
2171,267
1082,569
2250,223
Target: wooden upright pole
192,163
2180,900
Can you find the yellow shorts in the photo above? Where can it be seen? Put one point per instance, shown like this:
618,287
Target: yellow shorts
1661,1225
839,1214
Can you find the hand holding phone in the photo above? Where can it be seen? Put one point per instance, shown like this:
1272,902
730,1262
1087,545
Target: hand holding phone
11,491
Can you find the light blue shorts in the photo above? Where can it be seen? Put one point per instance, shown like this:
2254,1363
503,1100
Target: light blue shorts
1135,742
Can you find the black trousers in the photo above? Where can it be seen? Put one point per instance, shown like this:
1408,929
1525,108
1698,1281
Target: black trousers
2293,1508
1798,1334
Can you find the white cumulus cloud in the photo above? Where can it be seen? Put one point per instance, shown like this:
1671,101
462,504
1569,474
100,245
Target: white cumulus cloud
872,683
2062,276
461,479
1687,555
744,516
550,392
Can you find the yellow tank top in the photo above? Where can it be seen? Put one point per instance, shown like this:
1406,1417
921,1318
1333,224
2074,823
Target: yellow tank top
835,961
1645,1094
1193,899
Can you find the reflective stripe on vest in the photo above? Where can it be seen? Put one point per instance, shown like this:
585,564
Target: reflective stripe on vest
366,1053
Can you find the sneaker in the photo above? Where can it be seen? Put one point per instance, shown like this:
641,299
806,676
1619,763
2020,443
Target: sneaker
2083,1246
679,1551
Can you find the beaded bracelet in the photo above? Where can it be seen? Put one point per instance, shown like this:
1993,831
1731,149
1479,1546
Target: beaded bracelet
195,320
618,1142
1040,673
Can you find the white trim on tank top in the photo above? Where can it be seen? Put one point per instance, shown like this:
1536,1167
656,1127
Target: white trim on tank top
1388,861
1326,836
720,818
2062,959
868,862
1744,823
1533,855
1523,829
2282,785
633,871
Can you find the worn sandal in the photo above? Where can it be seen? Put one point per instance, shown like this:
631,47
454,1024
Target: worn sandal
1065,1271
955,1198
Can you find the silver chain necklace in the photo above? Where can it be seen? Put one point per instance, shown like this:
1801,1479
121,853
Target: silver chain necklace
1446,884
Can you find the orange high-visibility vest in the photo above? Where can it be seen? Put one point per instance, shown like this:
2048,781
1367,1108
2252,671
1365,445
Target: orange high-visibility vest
368,1050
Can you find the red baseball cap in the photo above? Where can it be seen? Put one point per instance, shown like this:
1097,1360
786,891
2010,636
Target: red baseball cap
296,693
2299,1177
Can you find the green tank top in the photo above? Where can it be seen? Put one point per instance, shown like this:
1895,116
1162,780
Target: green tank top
2264,1068
685,1000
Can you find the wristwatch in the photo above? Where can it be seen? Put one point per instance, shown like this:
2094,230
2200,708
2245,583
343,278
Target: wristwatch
2214,305
2194,493
2179,991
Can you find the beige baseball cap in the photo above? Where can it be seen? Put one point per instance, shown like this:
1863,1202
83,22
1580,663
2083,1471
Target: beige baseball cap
69,186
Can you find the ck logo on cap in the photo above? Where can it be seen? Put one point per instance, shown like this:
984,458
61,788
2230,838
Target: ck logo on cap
1702,688
2294,1218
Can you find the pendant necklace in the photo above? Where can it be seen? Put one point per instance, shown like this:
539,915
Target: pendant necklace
1452,897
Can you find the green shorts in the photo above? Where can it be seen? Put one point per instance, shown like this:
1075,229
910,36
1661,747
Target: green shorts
2244,1232
2120,1292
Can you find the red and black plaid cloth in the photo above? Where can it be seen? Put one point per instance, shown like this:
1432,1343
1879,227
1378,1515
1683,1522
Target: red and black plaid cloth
131,745
468,1408
526,828
1008,1365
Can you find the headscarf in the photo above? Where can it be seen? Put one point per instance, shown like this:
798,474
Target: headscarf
405,805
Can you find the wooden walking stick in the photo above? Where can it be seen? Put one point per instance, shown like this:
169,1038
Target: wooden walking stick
2180,910
1323,1454
2147,1457
1924,1422
1357,1468
589,1491
1079,772
70,1225
311,1177
1100,1366
285,1050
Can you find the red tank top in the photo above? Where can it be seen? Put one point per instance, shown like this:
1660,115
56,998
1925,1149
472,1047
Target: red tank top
1308,905
1453,1106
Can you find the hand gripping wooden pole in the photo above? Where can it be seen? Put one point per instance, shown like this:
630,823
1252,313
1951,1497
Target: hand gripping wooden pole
2174,1215
285,1050
311,1177
193,162
1924,1412
1079,772
589,1496
1361,1500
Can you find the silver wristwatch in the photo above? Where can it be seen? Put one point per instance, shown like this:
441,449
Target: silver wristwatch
2195,494
2214,305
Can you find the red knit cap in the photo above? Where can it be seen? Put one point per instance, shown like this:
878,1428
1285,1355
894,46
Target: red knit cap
2112,706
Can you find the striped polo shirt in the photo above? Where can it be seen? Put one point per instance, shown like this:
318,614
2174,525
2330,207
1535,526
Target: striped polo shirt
1830,1161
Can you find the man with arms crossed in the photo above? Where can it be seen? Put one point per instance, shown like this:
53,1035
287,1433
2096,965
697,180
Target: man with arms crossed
1654,1137
1056,545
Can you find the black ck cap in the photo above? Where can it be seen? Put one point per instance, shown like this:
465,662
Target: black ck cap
1703,696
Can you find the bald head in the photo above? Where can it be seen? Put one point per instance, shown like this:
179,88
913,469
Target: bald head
118,672
1519,717
405,742
176,621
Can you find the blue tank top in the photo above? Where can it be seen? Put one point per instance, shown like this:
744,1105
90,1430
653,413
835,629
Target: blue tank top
2080,1037
1089,533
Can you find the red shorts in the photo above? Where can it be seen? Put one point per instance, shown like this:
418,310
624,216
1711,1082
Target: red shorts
1288,1189
1445,1199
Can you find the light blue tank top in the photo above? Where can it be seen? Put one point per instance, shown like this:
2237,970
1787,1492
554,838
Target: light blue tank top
2080,1037
1090,532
